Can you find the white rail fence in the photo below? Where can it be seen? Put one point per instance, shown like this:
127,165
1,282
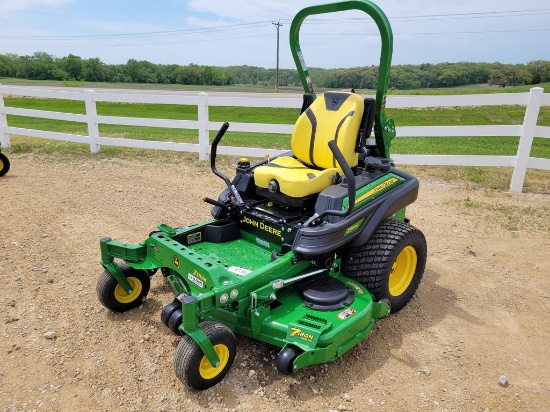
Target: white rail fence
532,100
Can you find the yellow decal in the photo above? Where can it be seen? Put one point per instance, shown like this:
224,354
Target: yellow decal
353,227
375,190
297,332
262,226
176,261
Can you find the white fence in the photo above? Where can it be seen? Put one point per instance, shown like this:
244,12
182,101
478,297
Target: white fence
532,100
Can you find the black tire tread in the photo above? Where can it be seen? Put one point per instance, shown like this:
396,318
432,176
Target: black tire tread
371,263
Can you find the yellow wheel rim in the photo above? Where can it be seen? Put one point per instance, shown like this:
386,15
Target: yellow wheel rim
402,271
123,297
206,370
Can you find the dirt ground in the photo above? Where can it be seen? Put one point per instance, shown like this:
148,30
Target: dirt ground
480,313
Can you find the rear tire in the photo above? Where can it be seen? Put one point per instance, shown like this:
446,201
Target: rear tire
391,264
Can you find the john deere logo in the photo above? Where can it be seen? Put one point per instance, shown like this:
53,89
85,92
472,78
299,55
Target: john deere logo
176,261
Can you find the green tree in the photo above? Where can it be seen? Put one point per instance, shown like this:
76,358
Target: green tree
93,70
507,75
538,71
7,67
72,65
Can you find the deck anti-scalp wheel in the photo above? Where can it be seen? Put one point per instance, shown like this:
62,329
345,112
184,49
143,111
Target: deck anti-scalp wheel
285,360
193,368
4,164
168,310
391,264
113,297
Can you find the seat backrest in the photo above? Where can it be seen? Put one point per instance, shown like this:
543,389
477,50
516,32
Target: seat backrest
332,116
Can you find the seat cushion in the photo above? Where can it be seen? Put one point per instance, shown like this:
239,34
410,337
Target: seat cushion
293,177
332,116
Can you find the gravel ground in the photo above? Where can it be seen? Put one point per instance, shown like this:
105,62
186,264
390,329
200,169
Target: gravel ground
474,338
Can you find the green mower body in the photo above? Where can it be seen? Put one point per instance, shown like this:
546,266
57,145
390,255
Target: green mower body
307,273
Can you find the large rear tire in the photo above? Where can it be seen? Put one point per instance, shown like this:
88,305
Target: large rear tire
391,264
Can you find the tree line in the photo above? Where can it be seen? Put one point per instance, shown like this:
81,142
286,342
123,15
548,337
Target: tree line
43,66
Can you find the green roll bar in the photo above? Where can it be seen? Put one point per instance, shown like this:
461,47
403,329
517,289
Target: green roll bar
384,128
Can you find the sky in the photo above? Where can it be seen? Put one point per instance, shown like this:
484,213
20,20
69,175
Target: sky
241,32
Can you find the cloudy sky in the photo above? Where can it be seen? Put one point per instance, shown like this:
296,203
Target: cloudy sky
238,32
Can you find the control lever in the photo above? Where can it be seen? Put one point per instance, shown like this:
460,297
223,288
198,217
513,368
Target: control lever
213,150
350,179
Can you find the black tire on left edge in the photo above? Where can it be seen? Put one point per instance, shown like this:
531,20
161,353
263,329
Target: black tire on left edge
4,164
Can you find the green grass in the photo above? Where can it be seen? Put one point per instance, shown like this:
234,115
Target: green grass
471,89
496,115
484,177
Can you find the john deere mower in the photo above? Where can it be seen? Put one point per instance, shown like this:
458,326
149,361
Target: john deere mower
305,250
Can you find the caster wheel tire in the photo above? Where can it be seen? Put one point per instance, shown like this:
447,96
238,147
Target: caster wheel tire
285,360
391,264
168,310
175,321
113,297
193,368
4,164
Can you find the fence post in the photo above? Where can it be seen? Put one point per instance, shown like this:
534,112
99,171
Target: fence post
204,135
526,139
91,116
4,135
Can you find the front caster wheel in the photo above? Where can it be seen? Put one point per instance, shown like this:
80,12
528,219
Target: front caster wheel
113,297
193,368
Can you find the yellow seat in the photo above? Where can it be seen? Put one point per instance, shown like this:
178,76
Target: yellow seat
332,116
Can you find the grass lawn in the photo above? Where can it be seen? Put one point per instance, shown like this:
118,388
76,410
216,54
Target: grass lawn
483,115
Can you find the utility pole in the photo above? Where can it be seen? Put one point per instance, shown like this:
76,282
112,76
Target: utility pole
277,25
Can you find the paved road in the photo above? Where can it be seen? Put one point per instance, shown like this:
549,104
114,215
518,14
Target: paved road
168,92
